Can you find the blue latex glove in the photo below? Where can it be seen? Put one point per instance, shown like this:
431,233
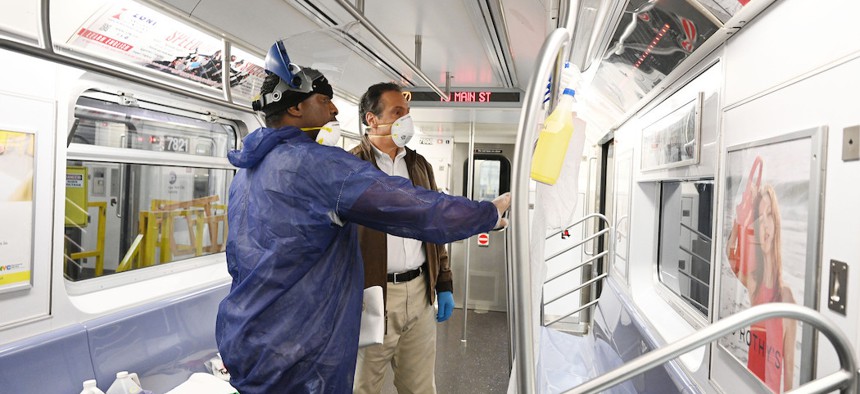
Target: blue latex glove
445,300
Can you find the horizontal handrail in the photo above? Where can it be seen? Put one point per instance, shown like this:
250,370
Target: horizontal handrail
582,219
580,265
572,313
571,247
694,231
694,302
845,379
703,283
577,288
691,253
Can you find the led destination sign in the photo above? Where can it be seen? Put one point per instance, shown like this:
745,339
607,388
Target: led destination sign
465,97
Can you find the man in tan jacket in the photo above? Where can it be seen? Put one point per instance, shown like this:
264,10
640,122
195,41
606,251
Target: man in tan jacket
412,273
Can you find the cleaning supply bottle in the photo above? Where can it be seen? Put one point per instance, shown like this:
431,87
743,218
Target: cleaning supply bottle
124,384
91,388
553,141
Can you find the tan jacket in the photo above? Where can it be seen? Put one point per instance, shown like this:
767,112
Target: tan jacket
374,248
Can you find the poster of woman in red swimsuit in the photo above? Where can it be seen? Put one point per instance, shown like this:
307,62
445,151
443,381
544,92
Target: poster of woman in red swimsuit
771,343
765,227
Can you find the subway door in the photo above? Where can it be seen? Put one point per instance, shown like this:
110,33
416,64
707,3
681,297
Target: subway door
487,265
103,187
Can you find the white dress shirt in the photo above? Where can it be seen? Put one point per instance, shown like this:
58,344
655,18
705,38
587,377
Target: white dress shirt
404,254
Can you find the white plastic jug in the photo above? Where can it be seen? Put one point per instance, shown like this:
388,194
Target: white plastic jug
90,387
125,383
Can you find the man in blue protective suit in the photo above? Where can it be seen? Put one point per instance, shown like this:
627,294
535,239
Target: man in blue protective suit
290,323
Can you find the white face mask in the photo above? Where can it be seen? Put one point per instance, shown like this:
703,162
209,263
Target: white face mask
402,131
329,134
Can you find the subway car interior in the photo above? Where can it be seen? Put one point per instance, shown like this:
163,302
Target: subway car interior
694,234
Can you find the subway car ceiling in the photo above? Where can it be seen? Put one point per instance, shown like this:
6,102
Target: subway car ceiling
469,48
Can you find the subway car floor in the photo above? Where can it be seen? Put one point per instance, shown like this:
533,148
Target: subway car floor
480,365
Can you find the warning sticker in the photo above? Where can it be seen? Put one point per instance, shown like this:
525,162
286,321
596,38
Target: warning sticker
75,180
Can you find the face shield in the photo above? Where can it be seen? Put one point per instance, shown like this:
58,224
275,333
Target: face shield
295,82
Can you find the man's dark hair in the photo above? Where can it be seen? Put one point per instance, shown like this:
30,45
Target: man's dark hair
370,100
310,82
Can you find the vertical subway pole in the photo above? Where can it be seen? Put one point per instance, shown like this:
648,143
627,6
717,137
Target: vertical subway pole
418,50
225,70
469,193
45,26
447,85
524,365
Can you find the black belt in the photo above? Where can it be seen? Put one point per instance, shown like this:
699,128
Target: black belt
401,277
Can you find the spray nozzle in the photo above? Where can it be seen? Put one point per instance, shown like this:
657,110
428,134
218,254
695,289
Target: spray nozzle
570,80
570,76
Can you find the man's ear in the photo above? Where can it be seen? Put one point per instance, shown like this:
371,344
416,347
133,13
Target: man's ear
371,120
295,111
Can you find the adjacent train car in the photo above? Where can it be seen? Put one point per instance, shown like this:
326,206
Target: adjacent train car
701,241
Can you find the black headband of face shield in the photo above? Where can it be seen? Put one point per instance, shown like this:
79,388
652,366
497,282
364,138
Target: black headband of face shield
307,81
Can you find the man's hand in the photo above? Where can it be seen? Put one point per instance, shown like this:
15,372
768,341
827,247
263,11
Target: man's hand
502,203
445,300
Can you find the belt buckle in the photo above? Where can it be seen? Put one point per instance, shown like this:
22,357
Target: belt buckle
396,274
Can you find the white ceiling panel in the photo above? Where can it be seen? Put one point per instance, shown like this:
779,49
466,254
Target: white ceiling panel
257,22
527,28
453,37
450,41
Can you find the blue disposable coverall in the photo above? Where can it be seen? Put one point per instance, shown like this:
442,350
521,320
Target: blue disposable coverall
290,323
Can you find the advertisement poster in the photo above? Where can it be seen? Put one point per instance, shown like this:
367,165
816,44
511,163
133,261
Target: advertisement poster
673,141
16,208
131,33
770,216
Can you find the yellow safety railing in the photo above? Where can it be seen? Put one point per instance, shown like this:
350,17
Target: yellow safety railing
131,255
158,229
99,251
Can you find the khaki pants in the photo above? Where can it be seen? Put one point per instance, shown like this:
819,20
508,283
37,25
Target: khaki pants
409,344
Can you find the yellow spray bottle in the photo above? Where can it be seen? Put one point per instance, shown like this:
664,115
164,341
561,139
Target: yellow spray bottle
553,141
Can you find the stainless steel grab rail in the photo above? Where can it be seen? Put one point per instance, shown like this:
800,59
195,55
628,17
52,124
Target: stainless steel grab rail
584,218
588,297
578,266
574,246
697,232
524,366
845,379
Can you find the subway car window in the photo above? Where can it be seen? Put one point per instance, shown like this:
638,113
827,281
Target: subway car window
122,216
487,179
492,177
110,124
684,261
